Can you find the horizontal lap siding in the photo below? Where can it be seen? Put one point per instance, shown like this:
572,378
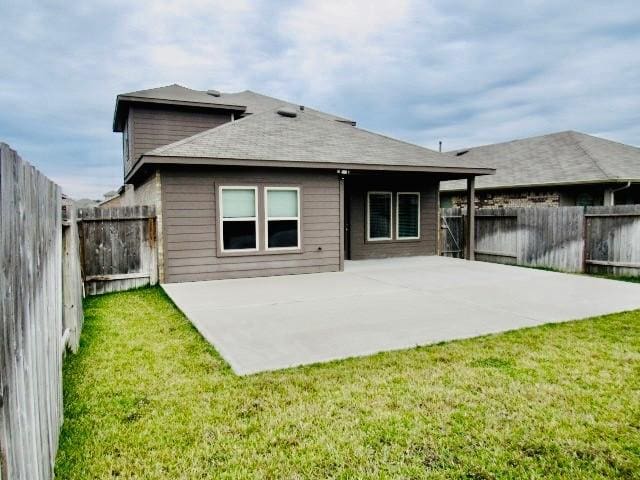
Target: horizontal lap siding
361,249
153,127
190,212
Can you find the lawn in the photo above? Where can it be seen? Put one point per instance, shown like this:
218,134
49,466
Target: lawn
147,397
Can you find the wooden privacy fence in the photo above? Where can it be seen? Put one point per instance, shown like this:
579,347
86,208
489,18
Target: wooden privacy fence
31,331
573,239
118,248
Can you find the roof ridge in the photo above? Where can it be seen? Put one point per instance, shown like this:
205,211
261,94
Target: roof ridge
184,141
155,88
316,115
394,139
513,140
588,153
626,145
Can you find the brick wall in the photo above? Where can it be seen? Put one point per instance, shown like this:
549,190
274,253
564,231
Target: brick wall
514,198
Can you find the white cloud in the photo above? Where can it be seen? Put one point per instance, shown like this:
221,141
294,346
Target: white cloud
464,72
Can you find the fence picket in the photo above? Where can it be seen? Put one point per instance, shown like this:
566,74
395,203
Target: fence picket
573,239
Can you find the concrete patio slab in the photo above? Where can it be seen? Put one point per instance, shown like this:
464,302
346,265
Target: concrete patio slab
269,323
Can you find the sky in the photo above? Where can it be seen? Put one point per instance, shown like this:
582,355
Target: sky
462,72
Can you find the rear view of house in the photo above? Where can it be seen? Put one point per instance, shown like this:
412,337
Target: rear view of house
248,185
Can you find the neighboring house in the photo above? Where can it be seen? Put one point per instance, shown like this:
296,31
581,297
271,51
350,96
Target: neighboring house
123,197
566,168
248,185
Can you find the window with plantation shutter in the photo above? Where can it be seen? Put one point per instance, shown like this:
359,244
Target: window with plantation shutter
408,216
379,216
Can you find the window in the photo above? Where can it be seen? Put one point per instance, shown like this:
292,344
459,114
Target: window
584,199
408,216
379,216
282,217
238,218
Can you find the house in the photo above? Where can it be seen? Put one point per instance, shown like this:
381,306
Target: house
247,185
559,169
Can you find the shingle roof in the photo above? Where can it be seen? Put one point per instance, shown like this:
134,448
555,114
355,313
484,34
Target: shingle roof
257,103
179,93
558,158
247,101
308,137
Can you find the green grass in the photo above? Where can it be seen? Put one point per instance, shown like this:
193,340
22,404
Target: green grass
147,398
608,276
622,278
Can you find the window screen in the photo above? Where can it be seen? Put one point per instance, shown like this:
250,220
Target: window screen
379,215
283,217
238,219
408,216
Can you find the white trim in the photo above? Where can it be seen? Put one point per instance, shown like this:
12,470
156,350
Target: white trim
398,237
378,239
221,218
267,218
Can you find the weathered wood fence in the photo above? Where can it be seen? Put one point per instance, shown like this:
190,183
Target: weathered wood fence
72,287
118,248
47,250
31,331
573,239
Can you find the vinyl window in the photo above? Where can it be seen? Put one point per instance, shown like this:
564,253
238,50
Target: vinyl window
408,215
282,218
379,216
238,219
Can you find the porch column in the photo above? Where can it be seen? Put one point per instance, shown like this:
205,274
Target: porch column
471,220
609,197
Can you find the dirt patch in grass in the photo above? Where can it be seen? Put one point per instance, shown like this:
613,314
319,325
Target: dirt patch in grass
147,397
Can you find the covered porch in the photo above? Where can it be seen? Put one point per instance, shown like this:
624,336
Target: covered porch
396,214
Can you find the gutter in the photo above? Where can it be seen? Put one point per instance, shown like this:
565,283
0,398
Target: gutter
541,185
202,161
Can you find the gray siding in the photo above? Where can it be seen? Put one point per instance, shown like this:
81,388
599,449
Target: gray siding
190,229
426,245
153,127
129,159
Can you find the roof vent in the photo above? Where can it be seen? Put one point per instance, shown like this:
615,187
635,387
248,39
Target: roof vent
213,93
459,154
287,112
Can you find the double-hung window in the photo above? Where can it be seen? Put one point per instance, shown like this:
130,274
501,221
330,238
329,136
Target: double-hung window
282,217
408,215
378,216
238,218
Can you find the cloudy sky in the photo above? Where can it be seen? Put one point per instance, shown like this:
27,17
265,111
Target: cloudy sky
466,72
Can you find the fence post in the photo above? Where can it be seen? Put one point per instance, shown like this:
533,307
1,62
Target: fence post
585,239
471,224
72,285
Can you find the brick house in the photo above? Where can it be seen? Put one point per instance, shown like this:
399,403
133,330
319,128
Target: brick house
559,169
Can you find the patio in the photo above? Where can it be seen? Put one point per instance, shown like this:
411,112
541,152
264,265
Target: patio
269,323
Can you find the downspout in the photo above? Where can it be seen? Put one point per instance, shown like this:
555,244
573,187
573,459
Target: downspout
613,192
622,188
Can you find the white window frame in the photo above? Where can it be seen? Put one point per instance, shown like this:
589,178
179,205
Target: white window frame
379,239
267,219
221,218
398,237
